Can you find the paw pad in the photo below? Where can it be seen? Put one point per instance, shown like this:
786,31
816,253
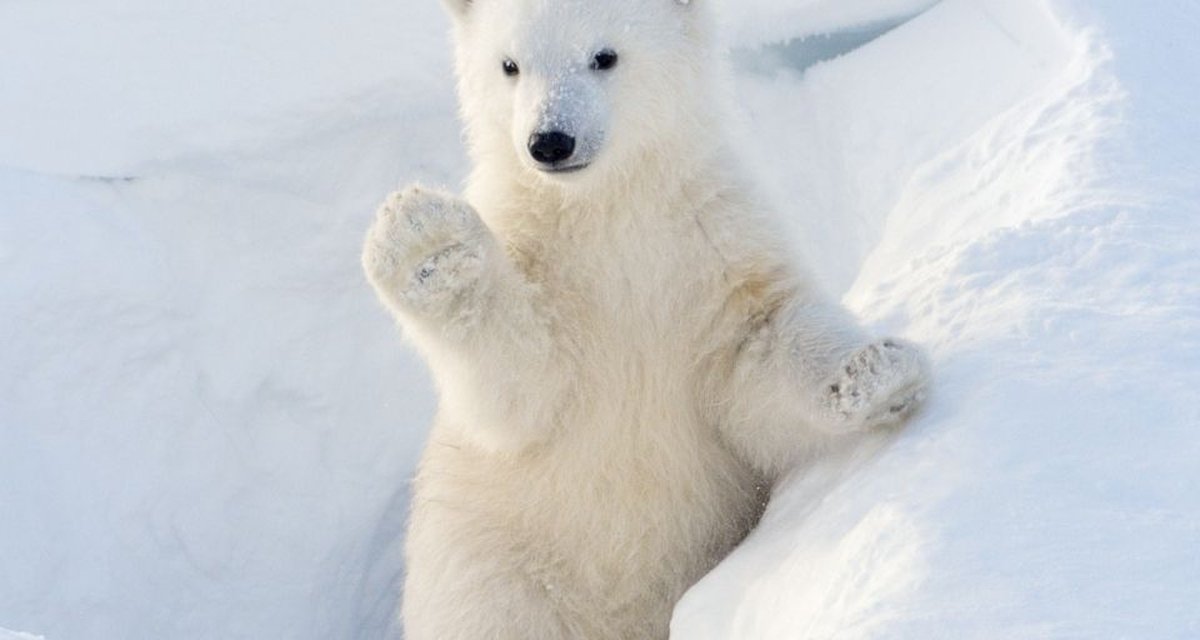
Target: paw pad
422,245
880,384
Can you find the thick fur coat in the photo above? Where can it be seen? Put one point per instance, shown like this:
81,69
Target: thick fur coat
626,354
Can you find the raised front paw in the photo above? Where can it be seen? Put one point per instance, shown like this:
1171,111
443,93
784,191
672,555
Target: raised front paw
879,385
426,249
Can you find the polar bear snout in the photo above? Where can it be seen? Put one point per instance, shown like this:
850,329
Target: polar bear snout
551,148
561,120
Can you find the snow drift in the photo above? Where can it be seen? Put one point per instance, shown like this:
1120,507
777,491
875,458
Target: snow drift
981,155
206,424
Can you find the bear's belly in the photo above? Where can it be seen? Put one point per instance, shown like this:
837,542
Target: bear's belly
609,527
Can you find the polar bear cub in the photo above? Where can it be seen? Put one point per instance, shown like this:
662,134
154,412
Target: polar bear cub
626,355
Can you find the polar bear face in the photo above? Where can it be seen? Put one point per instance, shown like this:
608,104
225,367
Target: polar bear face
570,90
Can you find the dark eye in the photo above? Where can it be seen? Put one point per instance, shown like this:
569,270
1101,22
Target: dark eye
605,60
510,68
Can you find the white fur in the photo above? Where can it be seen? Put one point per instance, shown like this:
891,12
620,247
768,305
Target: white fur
626,355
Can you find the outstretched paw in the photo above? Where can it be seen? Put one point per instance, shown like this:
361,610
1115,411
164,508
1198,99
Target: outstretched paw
425,248
879,385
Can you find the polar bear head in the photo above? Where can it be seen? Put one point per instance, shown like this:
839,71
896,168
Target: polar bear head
571,90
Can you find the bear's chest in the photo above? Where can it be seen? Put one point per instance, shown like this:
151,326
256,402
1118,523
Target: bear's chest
646,290
633,316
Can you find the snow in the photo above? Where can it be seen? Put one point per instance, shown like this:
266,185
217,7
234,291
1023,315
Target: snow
111,87
6,634
757,22
1040,236
207,423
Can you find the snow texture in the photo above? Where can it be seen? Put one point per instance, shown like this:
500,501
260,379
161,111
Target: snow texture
207,424
6,634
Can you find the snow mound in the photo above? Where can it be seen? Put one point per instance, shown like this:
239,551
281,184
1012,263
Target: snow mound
980,152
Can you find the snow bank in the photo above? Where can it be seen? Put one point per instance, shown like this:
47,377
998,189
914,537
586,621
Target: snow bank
206,423
1050,489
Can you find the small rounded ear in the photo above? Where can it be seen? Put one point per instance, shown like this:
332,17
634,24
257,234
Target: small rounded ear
458,8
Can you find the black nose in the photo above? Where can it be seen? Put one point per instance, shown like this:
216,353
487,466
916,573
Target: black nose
552,147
